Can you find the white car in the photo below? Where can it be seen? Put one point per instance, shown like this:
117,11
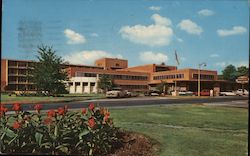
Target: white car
229,93
116,93
132,94
186,93
240,92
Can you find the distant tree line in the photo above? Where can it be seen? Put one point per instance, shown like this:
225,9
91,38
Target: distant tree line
231,73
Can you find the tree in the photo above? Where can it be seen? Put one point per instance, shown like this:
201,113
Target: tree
105,83
229,73
48,73
162,87
242,71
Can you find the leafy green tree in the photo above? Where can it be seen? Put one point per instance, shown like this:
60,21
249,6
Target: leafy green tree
48,73
105,83
229,73
242,71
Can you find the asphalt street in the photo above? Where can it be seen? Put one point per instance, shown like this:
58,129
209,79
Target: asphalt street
140,101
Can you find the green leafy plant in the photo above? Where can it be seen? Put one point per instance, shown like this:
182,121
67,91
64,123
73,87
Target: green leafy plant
86,132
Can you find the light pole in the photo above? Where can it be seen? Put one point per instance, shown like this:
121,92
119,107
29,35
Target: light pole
199,77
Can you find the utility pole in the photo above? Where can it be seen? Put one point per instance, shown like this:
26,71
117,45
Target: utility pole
199,77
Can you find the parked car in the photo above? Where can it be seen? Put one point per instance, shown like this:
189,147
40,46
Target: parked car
152,93
132,94
186,93
116,92
227,93
204,92
240,92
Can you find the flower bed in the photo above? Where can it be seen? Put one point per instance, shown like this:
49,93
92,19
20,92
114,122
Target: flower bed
86,132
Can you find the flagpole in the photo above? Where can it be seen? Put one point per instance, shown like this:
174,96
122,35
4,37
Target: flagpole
177,62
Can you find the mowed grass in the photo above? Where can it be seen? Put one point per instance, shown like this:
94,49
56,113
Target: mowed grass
67,97
189,130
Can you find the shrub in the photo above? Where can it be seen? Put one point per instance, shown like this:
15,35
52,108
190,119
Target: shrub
86,132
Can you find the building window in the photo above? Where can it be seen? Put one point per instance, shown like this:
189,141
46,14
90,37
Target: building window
85,84
81,74
204,77
178,76
117,65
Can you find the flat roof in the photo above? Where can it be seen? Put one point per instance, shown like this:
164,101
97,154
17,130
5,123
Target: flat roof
110,58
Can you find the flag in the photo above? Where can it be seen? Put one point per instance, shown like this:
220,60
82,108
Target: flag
176,58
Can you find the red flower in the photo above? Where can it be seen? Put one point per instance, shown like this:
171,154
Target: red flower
17,107
16,125
91,106
84,111
91,122
51,113
61,111
107,113
106,117
38,107
3,109
48,121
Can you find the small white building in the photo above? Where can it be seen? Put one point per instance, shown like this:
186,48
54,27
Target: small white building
82,84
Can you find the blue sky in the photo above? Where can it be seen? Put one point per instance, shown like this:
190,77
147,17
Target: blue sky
142,31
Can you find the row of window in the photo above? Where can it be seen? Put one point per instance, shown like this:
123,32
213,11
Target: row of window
204,77
178,76
116,77
83,83
127,77
80,74
134,86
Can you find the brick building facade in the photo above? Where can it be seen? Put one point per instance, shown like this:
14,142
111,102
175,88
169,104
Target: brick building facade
84,78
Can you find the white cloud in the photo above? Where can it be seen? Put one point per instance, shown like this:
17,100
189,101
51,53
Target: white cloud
94,35
153,57
159,20
235,63
158,34
190,27
88,57
155,8
206,12
236,30
214,55
73,37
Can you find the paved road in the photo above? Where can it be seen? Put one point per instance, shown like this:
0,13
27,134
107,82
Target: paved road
139,101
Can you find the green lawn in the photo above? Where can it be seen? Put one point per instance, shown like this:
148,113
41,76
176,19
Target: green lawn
67,97
189,130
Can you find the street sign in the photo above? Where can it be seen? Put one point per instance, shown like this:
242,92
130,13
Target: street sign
242,79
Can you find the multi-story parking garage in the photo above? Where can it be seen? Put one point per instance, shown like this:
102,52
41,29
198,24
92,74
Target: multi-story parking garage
84,78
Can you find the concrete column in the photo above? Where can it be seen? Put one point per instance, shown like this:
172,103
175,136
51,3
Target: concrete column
81,86
74,87
88,87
